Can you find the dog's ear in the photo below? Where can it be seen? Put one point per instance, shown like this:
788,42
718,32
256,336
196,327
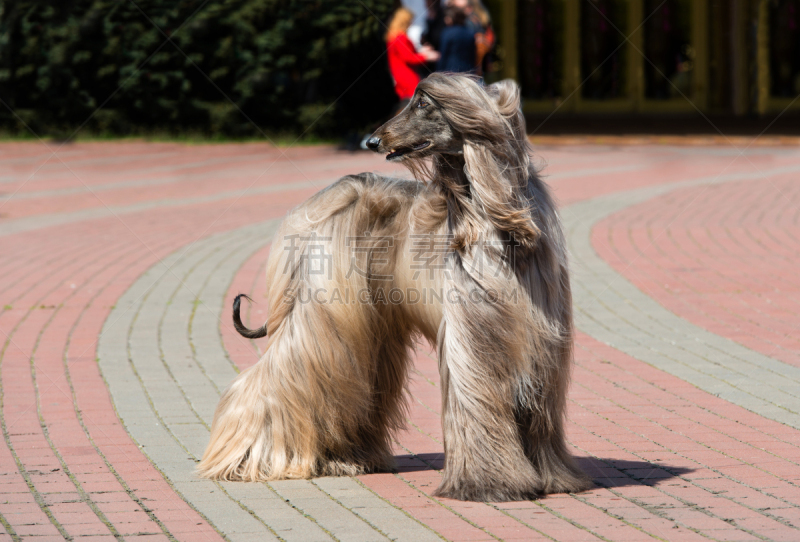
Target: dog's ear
507,96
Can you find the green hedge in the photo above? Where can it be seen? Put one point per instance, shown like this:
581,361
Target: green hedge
282,63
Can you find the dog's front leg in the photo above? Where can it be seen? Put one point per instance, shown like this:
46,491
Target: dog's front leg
480,360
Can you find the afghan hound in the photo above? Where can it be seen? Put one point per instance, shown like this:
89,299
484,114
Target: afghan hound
469,256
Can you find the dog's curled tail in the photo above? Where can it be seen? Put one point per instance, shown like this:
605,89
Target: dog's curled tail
240,327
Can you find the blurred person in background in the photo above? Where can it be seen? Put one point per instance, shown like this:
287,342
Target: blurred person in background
478,21
479,17
434,23
457,45
404,60
418,25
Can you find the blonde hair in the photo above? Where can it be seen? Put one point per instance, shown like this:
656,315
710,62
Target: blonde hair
481,12
399,23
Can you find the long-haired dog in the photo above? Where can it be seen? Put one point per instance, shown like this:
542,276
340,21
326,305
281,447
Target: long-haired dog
472,259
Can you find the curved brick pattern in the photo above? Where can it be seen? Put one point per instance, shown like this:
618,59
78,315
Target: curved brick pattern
612,309
80,186
148,261
62,438
725,258
659,166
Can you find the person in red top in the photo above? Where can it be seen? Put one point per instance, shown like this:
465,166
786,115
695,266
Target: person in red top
403,57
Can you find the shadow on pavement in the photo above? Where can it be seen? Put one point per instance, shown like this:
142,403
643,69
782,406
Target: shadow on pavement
418,462
605,472
608,472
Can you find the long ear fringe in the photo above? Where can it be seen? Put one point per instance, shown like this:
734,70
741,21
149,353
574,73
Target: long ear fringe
495,188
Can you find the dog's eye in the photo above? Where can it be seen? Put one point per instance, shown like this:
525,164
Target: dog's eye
422,104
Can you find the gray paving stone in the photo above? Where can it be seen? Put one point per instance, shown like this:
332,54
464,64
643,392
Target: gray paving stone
391,521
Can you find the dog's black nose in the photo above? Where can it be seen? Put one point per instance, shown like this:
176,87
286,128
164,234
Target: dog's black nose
373,143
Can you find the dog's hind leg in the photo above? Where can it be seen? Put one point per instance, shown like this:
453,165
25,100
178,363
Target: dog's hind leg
388,408
327,394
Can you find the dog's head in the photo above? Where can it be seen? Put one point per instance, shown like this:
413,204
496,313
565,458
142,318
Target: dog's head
419,130
446,111
482,129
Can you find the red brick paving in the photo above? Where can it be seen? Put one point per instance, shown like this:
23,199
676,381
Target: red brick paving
725,258
670,461
61,289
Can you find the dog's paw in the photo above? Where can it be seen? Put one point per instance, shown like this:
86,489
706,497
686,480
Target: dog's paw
487,492
572,482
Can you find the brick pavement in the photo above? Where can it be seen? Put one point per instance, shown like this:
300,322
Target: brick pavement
119,262
726,258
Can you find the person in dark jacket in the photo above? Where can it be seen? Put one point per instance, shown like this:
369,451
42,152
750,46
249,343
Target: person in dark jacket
434,23
457,46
